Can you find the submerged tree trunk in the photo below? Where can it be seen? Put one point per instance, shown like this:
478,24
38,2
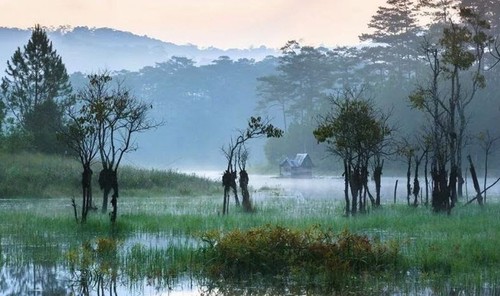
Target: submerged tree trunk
416,182
106,185
356,187
226,183
377,177
114,197
234,187
346,187
247,204
426,179
86,191
408,184
440,190
485,172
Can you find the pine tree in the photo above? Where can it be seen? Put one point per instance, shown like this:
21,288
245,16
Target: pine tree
36,82
392,23
395,29
488,10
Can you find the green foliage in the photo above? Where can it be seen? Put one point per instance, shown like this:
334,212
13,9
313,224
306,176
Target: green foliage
353,128
279,251
115,116
44,122
303,78
418,98
35,91
257,127
455,40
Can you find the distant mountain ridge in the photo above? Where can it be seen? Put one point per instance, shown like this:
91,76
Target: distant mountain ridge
88,50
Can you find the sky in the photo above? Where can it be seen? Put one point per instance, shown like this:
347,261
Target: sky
219,23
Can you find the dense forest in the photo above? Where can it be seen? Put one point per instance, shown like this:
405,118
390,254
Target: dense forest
293,88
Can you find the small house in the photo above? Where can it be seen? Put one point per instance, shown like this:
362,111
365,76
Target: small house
300,166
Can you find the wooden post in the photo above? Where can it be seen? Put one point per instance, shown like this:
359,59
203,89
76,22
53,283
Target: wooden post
475,181
395,191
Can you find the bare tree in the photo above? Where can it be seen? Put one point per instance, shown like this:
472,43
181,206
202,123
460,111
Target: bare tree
487,142
458,54
81,137
257,128
244,179
118,116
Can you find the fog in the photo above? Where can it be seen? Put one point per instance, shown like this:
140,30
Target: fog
332,187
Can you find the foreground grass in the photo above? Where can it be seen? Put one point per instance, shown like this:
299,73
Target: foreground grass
460,246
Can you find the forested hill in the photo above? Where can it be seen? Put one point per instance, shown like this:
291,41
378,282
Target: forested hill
87,49
203,106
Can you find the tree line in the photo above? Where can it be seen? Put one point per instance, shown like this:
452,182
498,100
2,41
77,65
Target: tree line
435,56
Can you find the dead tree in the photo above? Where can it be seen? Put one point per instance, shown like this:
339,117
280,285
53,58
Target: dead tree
475,181
257,128
81,138
117,116
487,142
377,178
242,161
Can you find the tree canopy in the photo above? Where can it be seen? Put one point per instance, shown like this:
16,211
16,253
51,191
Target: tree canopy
35,91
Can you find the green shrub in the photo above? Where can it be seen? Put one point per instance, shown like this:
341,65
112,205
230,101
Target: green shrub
279,251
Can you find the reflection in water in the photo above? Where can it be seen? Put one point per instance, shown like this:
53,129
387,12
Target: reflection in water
95,267
104,279
148,265
32,279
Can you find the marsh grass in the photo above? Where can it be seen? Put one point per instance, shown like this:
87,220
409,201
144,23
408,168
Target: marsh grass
459,250
29,175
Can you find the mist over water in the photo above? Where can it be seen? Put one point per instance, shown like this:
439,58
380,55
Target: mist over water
332,187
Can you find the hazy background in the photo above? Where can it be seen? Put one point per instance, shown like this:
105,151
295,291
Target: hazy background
219,23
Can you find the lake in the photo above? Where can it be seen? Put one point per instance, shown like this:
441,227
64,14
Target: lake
55,259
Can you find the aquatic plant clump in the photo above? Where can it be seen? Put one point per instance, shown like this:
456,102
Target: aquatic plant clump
302,254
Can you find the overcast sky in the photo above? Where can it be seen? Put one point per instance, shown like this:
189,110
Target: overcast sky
219,23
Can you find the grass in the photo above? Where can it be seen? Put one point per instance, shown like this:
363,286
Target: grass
37,175
434,250
432,246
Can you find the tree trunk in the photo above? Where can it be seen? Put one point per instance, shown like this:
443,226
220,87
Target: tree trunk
226,183
346,187
475,181
106,184
440,190
395,190
86,191
408,184
416,183
234,187
247,204
355,183
426,179
114,197
377,177
485,172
